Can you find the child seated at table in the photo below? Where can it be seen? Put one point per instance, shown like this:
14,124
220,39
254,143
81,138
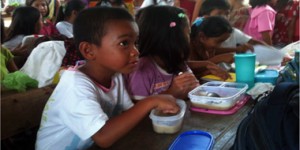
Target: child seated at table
164,47
207,34
237,41
87,104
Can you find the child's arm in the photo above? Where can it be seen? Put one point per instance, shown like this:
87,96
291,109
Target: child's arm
239,49
11,66
291,29
182,84
211,67
266,35
227,58
118,126
196,11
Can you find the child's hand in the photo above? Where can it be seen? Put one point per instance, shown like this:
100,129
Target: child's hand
166,103
245,47
226,57
182,84
218,71
285,60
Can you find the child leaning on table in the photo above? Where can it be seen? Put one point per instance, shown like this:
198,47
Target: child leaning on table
238,41
164,46
87,104
207,34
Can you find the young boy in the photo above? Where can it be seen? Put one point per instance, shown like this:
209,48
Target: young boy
238,41
90,103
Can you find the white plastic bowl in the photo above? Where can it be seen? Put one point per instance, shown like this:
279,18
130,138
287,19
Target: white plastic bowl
168,124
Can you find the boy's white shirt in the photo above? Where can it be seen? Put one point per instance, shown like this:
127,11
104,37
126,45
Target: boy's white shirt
77,109
236,37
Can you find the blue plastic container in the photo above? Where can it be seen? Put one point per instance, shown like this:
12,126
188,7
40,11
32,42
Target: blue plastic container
193,140
267,76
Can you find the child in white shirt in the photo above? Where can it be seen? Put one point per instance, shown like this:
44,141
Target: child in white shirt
90,103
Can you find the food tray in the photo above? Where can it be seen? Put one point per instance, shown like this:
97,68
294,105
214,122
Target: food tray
240,103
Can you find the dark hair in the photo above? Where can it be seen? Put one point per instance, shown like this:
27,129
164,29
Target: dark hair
209,5
90,24
66,11
158,38
213,26
257,3
24,20
281,4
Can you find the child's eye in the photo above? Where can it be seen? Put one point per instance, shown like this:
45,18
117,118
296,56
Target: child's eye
124,43
136,44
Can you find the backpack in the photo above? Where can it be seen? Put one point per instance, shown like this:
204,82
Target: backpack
273,123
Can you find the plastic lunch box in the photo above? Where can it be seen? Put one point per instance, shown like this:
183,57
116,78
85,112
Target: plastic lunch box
229,94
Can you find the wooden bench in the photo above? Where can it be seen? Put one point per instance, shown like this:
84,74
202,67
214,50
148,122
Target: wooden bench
22,111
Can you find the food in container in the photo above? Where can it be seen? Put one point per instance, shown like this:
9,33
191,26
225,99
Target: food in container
168,123
228,94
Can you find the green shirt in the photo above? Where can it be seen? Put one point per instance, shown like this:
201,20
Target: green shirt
4,58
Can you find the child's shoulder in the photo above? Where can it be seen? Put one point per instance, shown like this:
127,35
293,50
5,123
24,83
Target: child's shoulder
146,67
262,9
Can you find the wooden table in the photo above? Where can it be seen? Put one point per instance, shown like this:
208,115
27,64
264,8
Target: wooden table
223,129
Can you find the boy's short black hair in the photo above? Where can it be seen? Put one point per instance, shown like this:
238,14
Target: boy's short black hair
213,26
90,24
255,3
209,5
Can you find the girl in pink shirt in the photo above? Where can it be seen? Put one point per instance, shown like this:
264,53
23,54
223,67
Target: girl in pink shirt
261,23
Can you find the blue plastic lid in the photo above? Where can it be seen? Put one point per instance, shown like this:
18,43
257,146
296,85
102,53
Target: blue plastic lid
193,140
267,74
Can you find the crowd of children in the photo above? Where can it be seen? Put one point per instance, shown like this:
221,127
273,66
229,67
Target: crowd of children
151,58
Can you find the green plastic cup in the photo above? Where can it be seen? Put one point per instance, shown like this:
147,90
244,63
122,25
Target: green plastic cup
245,68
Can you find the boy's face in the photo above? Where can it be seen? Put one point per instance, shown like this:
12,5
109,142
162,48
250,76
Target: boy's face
214,42
219,12
118,52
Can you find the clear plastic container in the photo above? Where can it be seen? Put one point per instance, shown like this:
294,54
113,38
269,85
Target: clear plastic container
168,124
228,93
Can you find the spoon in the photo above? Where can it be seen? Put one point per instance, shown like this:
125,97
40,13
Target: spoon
209,94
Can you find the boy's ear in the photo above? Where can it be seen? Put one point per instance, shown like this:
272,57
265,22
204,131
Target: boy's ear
86,50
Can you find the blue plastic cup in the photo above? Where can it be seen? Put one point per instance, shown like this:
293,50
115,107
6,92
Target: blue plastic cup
245,68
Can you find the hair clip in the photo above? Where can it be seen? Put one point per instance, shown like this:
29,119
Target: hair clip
198,21
181,15
172,24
